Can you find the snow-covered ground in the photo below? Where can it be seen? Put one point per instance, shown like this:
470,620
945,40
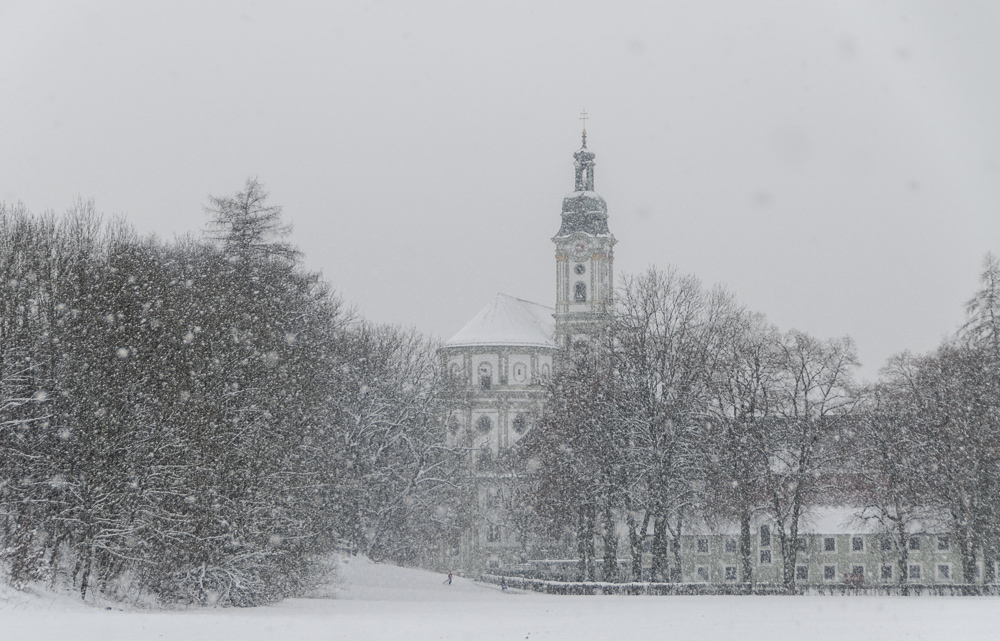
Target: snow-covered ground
389,603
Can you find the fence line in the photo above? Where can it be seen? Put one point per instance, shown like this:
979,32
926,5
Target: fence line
671,589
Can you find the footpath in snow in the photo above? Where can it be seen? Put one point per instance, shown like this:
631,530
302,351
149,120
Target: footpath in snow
388,603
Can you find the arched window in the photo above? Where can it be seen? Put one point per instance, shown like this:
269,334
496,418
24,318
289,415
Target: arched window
484,424
485,375
456,370
453,424
580,293
520,372
545,371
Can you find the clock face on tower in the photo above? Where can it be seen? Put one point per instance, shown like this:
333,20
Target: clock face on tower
580,250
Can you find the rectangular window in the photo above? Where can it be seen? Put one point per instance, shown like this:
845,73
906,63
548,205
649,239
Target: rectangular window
914,543
829,544
765,536
886,544
943,543
801,572
800,544
493,533
858,571
857,544
702,574
702,546
887,573
765,556
675,575
485,382
730,572
944,572
914,573
829,572
730,546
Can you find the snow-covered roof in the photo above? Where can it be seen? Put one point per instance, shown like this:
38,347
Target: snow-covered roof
508,321
818,520
847,520
834,519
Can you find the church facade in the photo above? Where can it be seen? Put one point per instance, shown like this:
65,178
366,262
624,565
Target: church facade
500,362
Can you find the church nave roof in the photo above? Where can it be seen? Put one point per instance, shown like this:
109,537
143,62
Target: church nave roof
508,321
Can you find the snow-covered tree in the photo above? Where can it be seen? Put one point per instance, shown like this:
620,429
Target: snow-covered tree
396,490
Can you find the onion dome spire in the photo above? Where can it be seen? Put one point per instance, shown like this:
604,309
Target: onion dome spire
583,210
584,162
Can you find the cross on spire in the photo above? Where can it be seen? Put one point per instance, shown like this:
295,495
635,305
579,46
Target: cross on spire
583,117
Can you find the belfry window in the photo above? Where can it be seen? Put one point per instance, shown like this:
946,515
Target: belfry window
580,293
485,375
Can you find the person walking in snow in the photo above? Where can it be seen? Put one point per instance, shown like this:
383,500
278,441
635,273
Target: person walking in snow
449,578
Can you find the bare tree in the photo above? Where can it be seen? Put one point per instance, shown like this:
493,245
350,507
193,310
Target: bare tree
744,406
814,402
666,347
891,486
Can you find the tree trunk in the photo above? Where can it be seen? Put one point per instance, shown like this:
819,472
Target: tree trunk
636,537
675,547
85,571
585,544
610,573
591,533
659,561
746,549
790,547
989,562
967,549
904,554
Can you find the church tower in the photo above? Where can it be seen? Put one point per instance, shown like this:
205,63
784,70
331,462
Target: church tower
584,258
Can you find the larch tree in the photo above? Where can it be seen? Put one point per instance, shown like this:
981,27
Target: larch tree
248,227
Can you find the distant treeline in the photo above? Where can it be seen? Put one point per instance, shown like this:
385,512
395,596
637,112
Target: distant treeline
200,420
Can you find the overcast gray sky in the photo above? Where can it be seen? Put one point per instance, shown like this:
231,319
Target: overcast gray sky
835,164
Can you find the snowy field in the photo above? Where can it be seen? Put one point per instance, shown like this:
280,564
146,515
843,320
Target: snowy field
390,603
